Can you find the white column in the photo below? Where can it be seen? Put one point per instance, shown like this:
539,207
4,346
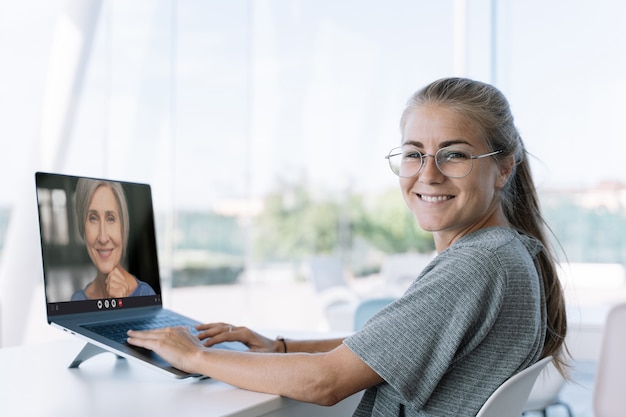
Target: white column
20,269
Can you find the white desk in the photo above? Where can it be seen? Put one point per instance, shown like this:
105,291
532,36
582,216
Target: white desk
35,381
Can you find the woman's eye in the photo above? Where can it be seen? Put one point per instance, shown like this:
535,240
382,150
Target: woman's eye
451,155
412,154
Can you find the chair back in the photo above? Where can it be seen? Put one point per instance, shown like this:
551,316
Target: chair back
400,270
509,399
367,308
546,390
327,272
610,379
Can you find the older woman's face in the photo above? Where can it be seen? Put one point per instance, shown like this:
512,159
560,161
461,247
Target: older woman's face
103,230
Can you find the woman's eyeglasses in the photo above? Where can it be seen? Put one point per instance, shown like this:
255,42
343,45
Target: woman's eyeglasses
452,161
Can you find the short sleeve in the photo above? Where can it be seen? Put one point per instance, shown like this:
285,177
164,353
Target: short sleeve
445,314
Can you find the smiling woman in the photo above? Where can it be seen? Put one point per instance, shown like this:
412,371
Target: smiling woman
498,192
103,224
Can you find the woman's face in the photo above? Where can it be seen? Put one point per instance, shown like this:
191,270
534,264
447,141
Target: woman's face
450,207
103,230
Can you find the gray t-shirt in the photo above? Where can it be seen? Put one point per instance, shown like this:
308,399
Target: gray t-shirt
473,317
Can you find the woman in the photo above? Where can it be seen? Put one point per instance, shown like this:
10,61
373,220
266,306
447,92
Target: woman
102,214
489,305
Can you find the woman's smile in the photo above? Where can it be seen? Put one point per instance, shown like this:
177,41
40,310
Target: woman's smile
104,253
434,198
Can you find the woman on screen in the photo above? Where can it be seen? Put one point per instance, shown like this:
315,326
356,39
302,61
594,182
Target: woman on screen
102,214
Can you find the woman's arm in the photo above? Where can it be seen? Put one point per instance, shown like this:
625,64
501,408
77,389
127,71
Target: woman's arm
214,333
322,378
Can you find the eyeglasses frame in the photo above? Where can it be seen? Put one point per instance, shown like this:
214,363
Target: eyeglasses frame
434,156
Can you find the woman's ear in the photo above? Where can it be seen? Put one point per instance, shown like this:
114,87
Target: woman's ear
505,170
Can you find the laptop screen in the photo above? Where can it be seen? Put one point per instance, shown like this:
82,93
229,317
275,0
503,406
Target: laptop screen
98,244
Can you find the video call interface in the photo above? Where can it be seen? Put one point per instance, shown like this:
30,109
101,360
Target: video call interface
74,255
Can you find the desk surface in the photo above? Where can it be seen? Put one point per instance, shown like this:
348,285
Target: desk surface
35,381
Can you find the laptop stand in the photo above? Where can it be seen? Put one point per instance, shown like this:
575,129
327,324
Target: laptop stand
88,351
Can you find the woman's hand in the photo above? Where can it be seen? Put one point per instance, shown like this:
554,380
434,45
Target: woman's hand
213,333
174,344
120,283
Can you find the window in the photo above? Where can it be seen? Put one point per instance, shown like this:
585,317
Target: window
262,127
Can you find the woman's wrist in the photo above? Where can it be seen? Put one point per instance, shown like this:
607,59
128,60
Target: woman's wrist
281,345
195,362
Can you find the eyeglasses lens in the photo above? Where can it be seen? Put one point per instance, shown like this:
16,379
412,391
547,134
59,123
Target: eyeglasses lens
452,161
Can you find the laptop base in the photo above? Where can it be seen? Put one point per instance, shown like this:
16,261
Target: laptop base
89,350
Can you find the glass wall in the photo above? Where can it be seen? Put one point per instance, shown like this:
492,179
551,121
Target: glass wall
262,127
566,80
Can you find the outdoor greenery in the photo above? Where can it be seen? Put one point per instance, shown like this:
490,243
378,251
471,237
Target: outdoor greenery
296,224
594,235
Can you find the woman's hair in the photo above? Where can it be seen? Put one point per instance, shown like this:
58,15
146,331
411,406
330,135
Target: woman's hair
487,108
85,188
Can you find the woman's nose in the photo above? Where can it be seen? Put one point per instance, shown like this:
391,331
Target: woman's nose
430,172
103,235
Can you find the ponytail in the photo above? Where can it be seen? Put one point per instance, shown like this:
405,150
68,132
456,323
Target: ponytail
521,207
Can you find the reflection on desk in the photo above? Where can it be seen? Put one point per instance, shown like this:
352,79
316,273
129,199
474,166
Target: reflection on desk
35,381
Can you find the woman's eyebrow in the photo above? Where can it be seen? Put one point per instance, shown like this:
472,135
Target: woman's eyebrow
413,143
458,141
106,213
449,142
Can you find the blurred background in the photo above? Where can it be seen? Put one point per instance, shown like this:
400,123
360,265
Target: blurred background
262,126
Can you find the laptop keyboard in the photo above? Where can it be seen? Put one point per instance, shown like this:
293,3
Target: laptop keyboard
117,331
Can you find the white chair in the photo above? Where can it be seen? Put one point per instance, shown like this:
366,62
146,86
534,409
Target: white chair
509,399
337,300
367,308
545,392
327,272
609,393
400,270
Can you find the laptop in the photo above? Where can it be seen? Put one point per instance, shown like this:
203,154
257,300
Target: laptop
100,265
